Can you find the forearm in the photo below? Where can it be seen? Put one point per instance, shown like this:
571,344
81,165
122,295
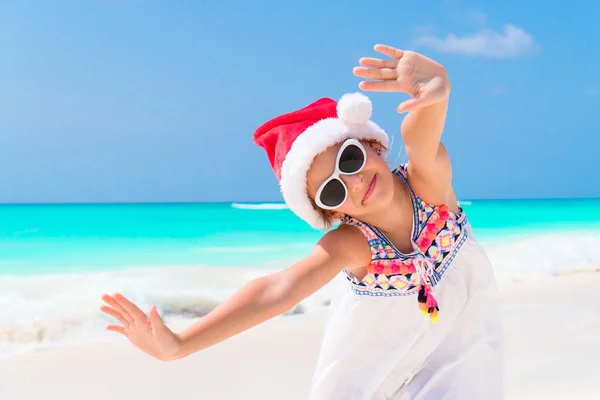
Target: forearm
256,302
272,295
422,131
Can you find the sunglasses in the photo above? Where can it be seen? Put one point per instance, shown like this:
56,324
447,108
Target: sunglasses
350,160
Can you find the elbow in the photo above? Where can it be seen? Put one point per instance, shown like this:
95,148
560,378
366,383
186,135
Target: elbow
273,293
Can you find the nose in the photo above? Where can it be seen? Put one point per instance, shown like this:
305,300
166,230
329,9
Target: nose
353,182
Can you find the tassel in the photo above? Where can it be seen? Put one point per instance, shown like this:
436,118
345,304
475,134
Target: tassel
432,306
434,315
422,298
427,302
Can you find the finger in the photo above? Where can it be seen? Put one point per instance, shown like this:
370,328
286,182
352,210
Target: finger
377,63
389,51
412,104
375,73
131,308
117,307
113,313
379,86
155,320
117,328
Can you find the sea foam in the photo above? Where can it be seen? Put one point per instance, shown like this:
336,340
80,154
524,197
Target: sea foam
50,310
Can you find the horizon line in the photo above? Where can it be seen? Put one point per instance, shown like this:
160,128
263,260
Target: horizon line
263,201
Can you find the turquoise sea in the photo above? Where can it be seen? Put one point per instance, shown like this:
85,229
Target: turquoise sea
40,239
56,260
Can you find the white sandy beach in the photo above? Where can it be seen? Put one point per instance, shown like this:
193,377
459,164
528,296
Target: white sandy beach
552,352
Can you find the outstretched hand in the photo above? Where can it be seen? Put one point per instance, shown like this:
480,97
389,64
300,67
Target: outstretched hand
148,333
425,80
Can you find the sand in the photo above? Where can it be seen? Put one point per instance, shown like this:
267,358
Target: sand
552,352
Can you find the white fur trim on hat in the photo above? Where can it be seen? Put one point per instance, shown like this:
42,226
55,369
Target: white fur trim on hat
315,140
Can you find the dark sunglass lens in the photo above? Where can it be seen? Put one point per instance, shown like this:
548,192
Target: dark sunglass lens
333,193
352,159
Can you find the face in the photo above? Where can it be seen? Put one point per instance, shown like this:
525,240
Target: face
368,190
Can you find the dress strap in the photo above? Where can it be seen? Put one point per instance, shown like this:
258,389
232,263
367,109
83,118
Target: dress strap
402,172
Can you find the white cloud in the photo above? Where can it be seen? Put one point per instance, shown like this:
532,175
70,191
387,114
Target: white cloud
511,42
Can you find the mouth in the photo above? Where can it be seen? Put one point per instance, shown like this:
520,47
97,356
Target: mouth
370,188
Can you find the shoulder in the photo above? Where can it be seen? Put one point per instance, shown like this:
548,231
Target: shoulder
347,244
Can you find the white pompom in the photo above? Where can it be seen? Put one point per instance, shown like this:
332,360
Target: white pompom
354,108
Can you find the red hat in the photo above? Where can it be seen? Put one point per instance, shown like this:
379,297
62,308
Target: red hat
293,140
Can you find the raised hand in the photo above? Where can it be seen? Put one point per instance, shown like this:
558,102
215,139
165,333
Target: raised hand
425,80
148,333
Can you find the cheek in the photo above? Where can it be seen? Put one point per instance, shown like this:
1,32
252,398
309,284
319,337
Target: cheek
377,161
376,164
387,183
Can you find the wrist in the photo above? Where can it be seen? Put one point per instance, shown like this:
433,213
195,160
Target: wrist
445,83
182,348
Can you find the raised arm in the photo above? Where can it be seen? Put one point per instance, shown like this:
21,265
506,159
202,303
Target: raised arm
258,301
426,81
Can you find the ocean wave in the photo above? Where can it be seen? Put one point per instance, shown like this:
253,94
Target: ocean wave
529,257
260,206
52,310
42,311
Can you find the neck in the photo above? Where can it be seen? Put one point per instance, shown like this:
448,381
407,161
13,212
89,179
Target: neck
394,217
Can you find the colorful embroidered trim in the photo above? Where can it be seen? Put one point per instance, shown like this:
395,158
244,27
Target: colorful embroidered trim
437,236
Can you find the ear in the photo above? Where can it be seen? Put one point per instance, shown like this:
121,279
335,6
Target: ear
336,214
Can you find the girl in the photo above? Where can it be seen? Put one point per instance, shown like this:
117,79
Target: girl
419,319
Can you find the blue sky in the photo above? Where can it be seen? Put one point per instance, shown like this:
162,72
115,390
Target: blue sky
108,100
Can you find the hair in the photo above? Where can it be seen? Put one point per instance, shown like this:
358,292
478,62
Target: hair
326,215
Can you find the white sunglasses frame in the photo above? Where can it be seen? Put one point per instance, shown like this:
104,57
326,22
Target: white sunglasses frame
337,172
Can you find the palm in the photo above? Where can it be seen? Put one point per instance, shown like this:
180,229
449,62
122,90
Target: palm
148,333
422,78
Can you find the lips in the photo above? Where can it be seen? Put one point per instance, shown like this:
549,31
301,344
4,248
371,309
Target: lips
370,188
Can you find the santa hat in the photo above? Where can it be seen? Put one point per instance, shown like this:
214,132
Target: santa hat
293,140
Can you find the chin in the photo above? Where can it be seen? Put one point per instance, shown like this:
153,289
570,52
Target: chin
382,201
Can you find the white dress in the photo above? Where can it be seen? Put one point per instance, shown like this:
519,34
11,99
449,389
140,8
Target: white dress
379,345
